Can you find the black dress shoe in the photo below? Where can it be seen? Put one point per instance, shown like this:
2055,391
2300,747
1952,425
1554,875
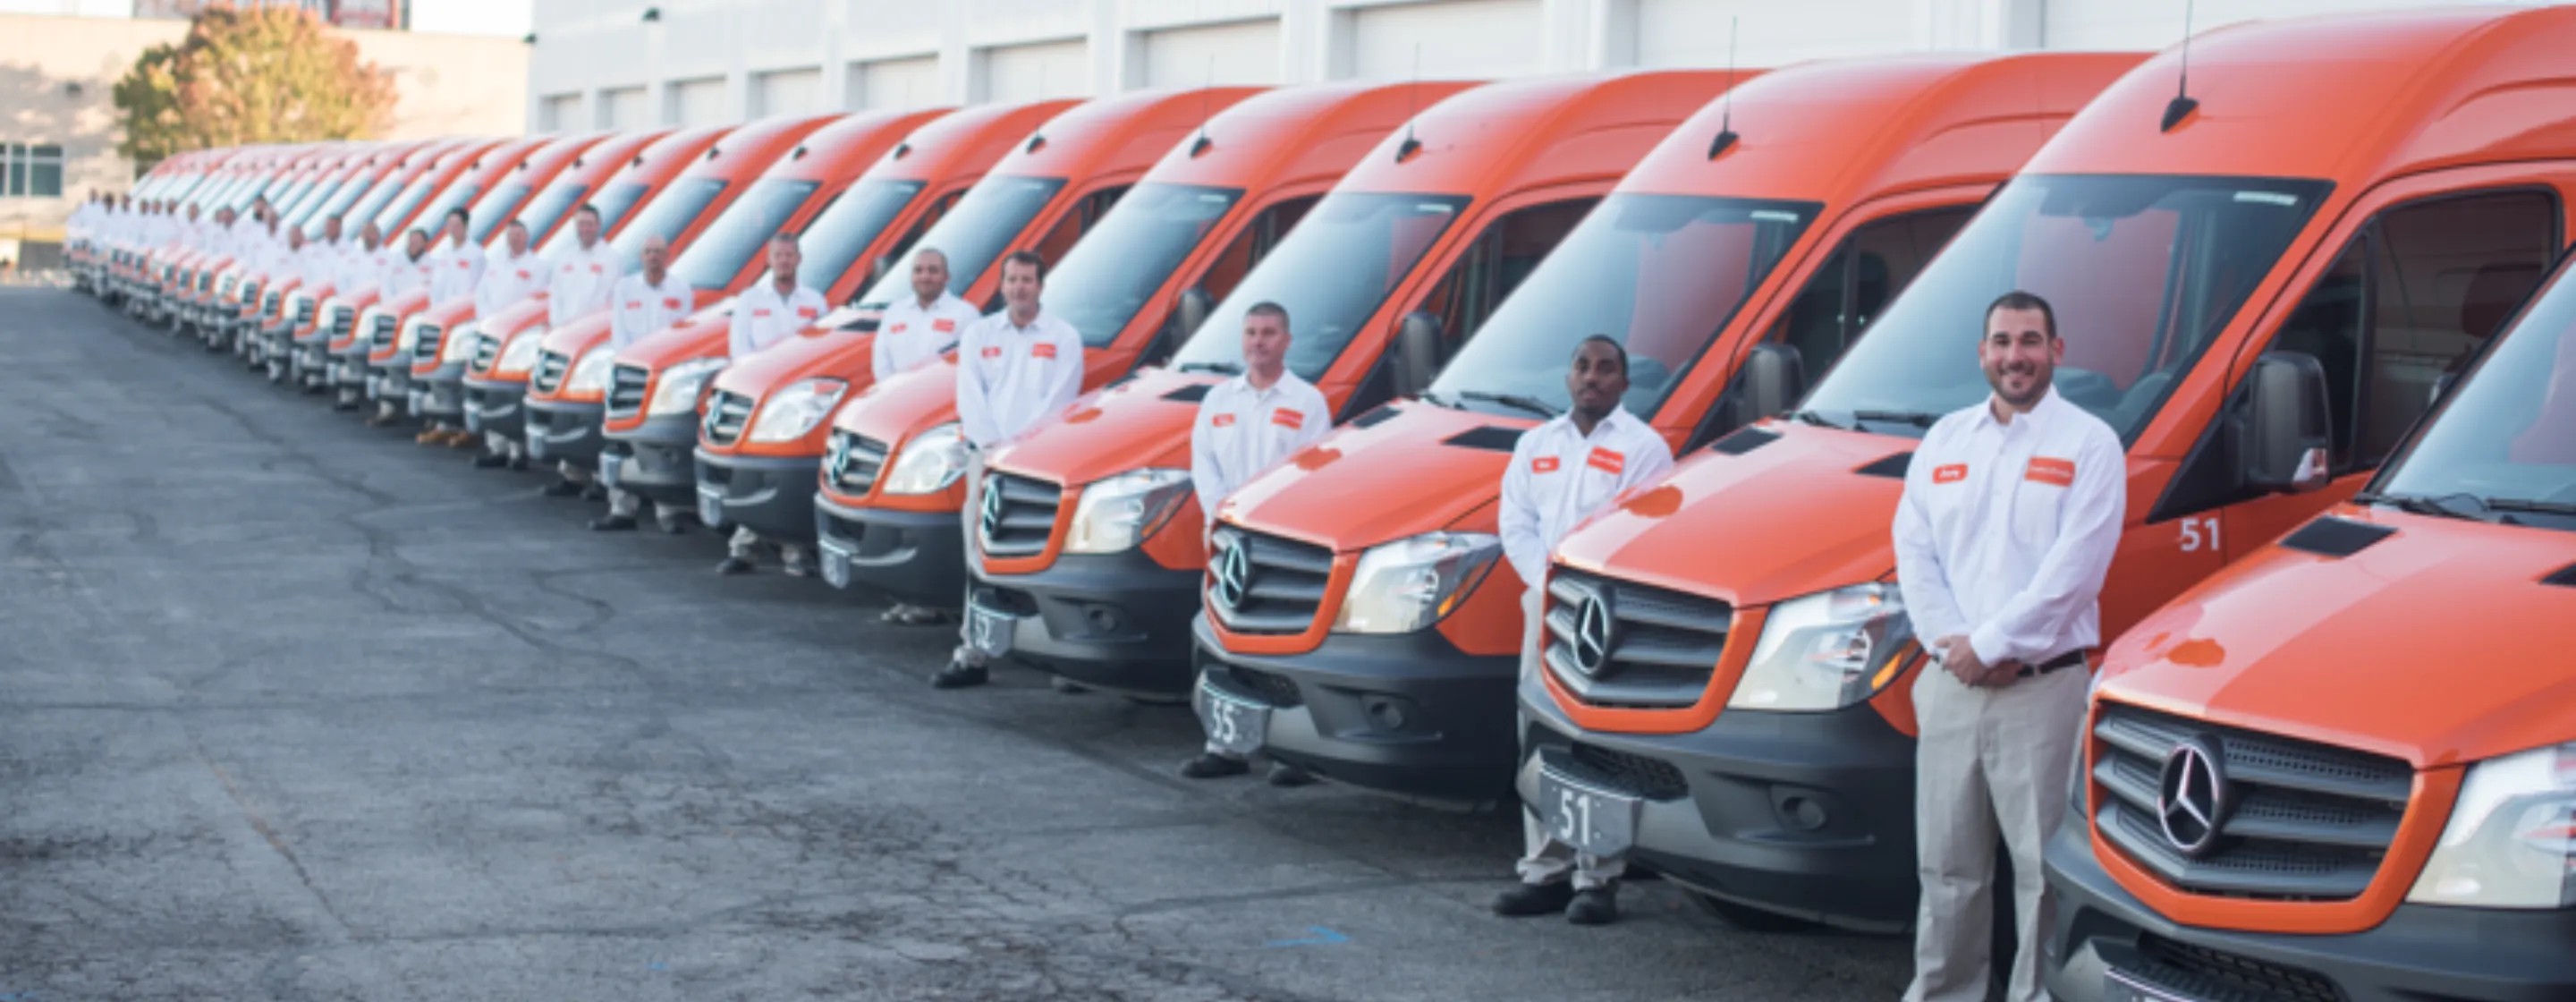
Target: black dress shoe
560,489
491,461
731,566
613,523
1210,765
518,462
1598,906
1283,774
1534,899
959,675
594,492
676,527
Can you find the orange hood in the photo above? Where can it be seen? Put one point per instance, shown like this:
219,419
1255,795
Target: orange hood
2435,644
1125,427
1342,492
680,342
570,341
523,315
814,352
894,410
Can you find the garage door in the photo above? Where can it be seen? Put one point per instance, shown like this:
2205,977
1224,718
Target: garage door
559,113
1673,33
2125,24
1457,38
1033,72
1245,52
694,103
623,109
787,92
894,84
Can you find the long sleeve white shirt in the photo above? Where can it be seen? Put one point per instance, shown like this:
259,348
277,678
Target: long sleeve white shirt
909,336
406,275
763,318
1560,476
580,280
1242,431
506,280
454,270
639,308
1011,379
2005,531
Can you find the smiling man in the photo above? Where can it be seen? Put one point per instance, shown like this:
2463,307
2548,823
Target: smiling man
914,333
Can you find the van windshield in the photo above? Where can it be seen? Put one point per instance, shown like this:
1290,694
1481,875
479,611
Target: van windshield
720,251
456,196
1106,279
400,209
667,215
2142,273
542,212
973,234
291,204
1662,274
2504,443
1331,273
338,205
493,209
836,238
611,205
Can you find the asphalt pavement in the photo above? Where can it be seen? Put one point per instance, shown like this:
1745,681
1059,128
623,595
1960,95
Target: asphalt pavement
291,708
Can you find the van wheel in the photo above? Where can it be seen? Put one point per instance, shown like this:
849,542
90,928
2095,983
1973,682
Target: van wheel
1749,918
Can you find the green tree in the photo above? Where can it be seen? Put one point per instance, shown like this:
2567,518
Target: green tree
258,75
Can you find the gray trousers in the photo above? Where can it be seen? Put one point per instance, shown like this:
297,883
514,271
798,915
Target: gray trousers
1544,860
966,653
1991,762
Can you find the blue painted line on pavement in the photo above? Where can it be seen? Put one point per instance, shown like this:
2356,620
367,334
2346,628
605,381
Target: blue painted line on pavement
1321,937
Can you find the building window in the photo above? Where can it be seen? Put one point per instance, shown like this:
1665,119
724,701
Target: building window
31,171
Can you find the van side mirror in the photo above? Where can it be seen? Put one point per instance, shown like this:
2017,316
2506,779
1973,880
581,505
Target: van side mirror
1187,314
1774,376
876,270
1417,352
2288,425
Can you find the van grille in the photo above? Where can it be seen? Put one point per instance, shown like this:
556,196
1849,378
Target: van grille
1017,515
1282,585
626,385
268,303
550,371
2303,821
1658,650
304,307
426,343
487,350
2220,974
383,336
726,414
851,462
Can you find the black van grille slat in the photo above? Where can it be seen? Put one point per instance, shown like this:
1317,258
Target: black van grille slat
1283,588
851,462
550,371
2215,973
427,339
1664,644
487,350
1653,779
382,337
726,416
1017,515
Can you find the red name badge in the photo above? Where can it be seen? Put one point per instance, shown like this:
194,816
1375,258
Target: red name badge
1042,350
2054,472
1543,464
1607,461
594,269
670,304
757,314
634,306
805,312
524,275
1949,473
1286,418
992,351
942,326
898,329
1224,421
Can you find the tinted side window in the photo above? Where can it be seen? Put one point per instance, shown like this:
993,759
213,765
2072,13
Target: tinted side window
1868,270
1253,244
1495,264
2444,276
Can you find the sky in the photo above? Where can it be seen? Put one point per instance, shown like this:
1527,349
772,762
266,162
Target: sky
471,17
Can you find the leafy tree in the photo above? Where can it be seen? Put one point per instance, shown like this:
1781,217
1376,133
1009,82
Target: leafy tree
259,75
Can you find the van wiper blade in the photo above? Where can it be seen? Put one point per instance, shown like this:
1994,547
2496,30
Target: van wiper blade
1220,368
2530,506
1531,404
1814,418
1918,419
2440,507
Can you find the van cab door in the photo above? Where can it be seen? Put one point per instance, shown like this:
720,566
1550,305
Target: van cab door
1490,266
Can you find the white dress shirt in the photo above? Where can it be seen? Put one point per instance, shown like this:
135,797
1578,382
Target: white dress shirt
1242,431
406,275
580,281
1560,476
762,317
455,268
909,336
1011,379
639,308
2006,531
506,280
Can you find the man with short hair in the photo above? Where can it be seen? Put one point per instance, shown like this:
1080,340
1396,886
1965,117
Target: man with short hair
1565,471
913,333
578,283
1248,424
647,301
2004,535
1018,370
455,272
766,314
412,269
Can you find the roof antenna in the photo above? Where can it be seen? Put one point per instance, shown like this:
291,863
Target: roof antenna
1411,146
1726,136
1199,146
2183,103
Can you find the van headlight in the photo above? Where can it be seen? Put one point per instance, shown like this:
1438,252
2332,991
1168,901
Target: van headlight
791,412
678,389
1827,651
1118,512
1411,583
590,373
520,354
929,463
460,344
2511,842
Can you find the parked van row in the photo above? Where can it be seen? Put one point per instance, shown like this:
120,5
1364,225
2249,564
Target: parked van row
2308,283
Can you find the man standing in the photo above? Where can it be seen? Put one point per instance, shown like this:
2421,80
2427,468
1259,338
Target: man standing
768,313
412,269
577,285
646,301
914,333
455,272
2011,511
1563,472
1017,371
1247,424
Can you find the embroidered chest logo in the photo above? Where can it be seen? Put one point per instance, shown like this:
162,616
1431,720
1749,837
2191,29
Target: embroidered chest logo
992,351
2053,472
1949,473
1223,421
757,314
942,326
898,329
1543,464
1285,418
806,312
671,304
1042,350
1607,461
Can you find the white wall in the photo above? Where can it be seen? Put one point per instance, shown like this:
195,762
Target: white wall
560,113
1028,72
691,103
892,84
787,92
623,108
1240,52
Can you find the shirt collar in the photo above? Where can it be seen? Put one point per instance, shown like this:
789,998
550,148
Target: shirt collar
1243,383
1986,409
1617,421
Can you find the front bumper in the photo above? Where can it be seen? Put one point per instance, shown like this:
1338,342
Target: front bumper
1809,815
565,430
773,495
915,556
493,408
653,461
440,395
2419,953
1114,621
390,383
1407,714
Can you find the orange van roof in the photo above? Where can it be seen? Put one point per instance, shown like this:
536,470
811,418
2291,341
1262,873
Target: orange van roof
1516,133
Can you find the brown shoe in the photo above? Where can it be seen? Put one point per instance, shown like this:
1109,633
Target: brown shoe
432,436
462,439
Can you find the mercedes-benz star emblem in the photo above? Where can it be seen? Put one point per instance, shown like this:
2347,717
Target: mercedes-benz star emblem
1233,574
836,460
2192,797
1592,634
991,522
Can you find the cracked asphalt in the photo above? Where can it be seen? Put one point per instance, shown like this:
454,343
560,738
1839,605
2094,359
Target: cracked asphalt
294,709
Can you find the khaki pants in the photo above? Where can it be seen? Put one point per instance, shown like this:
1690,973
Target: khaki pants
745,544
1545,860
966,653
1990,763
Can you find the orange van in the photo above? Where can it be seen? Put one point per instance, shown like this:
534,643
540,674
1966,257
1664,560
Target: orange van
565,423
1206,212
410,181
1450,211
187,300
650,417
2339,208
260,312
389,376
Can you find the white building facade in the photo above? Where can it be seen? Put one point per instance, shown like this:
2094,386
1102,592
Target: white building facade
633,63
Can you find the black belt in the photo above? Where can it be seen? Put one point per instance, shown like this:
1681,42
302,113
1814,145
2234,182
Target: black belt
2069,659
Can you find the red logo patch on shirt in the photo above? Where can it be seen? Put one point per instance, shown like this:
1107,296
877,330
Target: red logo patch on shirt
1949,473
1042,350
806,312
1285,418
942,326
1607,461
898,329
594,269
671,303
1224,421
524,275
1543,464
757,314
992,351
2054,472
634,305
